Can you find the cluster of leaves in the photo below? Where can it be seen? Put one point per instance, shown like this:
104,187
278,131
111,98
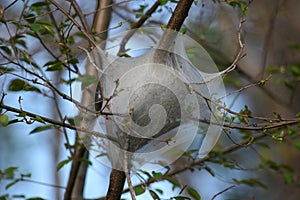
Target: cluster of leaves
289,74
156,192
10,174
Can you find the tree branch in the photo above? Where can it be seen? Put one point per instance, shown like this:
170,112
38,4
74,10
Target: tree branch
138,24
166,42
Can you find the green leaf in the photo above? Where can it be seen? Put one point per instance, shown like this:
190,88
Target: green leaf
297,144
288,84
18,196
163,2
87,80
251,182
71,121
63,163
262,144
295,70
43,22
18,85
4,119
10,172
157,175
139,190
36,198
28,175
30,18
40,4
34,27
229,80
174,182
193,193
181,198
6,69
159,191
39,119
54,65
154,195
298,115
40,129
273,69
6,49
11,184
288,178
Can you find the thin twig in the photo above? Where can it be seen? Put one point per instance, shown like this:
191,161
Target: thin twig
183,168
54,122
221,192
86,34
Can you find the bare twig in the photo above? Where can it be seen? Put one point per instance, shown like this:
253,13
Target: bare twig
86,34
80,15
221,192
136,25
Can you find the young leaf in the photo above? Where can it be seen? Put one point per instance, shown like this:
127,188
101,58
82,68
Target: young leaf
18,85
39,119
193,193
40,128
251,182
4,119
10,172
63,163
